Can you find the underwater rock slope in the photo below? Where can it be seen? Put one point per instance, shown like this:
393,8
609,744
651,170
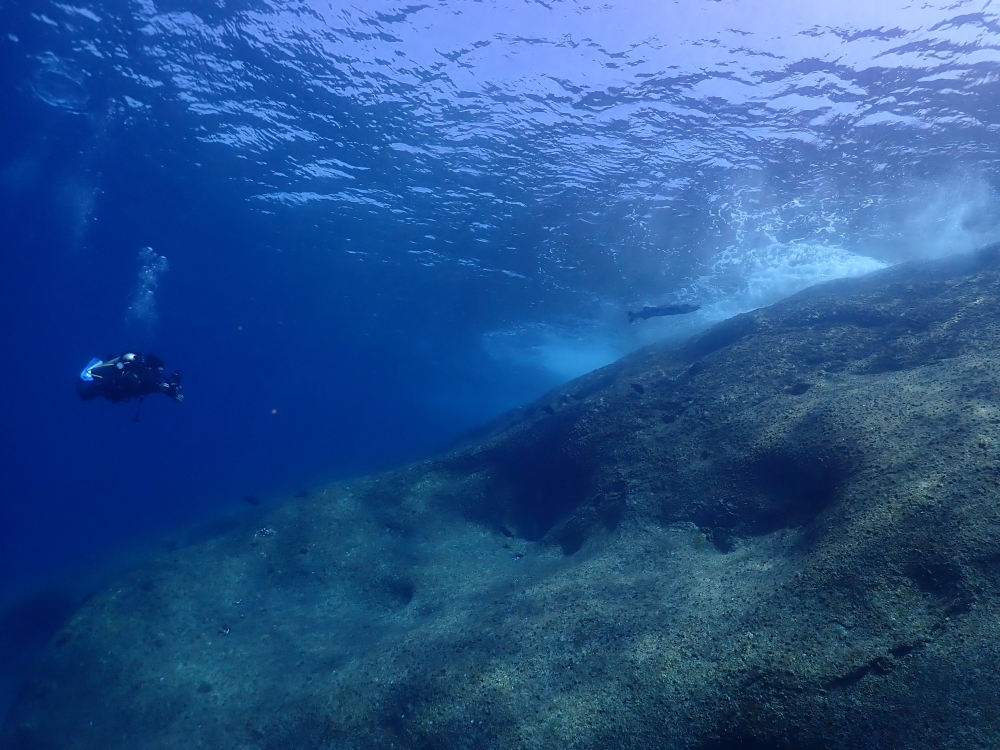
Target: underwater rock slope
784,533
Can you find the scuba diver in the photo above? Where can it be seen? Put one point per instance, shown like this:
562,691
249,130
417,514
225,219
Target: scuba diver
126,377
655,312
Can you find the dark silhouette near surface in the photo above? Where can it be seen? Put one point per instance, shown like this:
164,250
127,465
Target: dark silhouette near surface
660,310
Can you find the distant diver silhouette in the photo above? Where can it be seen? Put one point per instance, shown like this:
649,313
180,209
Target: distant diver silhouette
126,377
655,312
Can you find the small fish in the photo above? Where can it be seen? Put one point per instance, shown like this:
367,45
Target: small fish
252,500
654,312
302,493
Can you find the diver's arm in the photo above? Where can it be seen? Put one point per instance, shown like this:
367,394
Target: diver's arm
170,388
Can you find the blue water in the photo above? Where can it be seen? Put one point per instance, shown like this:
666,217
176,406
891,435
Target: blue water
375,225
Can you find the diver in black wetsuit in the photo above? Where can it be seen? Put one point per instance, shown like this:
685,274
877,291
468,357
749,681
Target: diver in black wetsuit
655,312
126,377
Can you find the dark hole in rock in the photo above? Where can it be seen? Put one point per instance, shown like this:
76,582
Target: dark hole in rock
721,538
696,368
637,387
798,388
252,499
717,521
401,591
571,538
939,579
705,455
611,515
670,410
548,409
796,489
205,687
545,485
533,485
786,491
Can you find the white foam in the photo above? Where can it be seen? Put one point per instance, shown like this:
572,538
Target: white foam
560,353
779,270
957,214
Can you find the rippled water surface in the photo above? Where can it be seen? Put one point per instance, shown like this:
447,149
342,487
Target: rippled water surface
371,225
578,156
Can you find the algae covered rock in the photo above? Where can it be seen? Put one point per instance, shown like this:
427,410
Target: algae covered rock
783,533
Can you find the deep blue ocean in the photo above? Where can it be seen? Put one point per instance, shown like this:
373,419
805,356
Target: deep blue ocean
372,226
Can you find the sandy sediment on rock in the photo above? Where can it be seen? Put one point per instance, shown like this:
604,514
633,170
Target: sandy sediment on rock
784,533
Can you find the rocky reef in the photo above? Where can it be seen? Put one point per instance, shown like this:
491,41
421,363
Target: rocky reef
784,533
